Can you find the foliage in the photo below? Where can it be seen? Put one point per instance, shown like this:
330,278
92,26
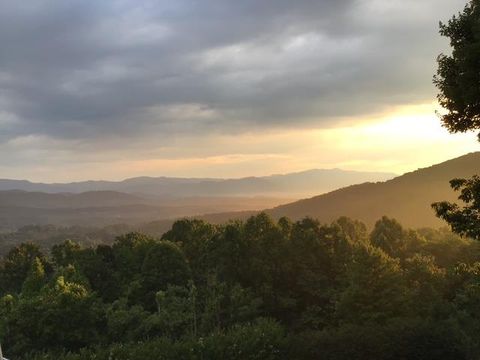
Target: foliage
206,292
457,76
457,79
463,220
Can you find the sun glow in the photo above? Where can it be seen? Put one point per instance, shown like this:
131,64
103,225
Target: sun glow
400,140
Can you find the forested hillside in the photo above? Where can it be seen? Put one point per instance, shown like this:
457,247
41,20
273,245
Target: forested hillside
407,198
257,289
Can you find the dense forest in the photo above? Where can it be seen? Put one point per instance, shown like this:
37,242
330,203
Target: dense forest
257,289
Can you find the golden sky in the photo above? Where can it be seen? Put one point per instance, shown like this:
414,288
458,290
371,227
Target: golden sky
398,141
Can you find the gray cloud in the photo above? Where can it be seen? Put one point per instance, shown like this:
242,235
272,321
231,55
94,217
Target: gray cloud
81,70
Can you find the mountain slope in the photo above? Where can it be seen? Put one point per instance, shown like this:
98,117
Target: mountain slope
406,198
20,198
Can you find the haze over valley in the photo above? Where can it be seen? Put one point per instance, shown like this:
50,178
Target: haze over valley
139,200
362,196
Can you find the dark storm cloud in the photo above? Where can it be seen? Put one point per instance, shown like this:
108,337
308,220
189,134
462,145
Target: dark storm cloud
86,69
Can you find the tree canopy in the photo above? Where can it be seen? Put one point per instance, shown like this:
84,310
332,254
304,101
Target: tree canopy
458,80
259,289
458,75
464,220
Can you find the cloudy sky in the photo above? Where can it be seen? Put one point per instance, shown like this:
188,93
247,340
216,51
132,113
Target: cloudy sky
225,88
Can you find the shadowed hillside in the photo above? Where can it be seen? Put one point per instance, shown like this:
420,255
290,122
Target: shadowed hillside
21,198
101,208
406,198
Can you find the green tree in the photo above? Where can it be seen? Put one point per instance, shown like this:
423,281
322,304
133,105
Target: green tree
464,220
129,252
176,314
458,79
425,281
389,236
313,271
125,322
63,315
457,76
164,265
375,288
17,265
193,237
353,230
464,293
65,254
35,279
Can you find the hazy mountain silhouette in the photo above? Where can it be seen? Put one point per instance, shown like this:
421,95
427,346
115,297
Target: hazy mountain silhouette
294,185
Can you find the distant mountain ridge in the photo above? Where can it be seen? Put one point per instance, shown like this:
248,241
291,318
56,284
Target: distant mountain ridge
300,184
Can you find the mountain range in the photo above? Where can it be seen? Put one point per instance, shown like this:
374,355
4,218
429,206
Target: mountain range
139,200
156,202
293,185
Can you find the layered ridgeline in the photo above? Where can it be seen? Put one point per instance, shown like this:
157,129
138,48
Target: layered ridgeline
407,198
293,185
102,208
140,200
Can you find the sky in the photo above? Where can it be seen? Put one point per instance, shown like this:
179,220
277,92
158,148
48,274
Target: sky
220,88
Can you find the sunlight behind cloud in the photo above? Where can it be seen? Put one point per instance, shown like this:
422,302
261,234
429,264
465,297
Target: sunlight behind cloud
404,139
400,140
